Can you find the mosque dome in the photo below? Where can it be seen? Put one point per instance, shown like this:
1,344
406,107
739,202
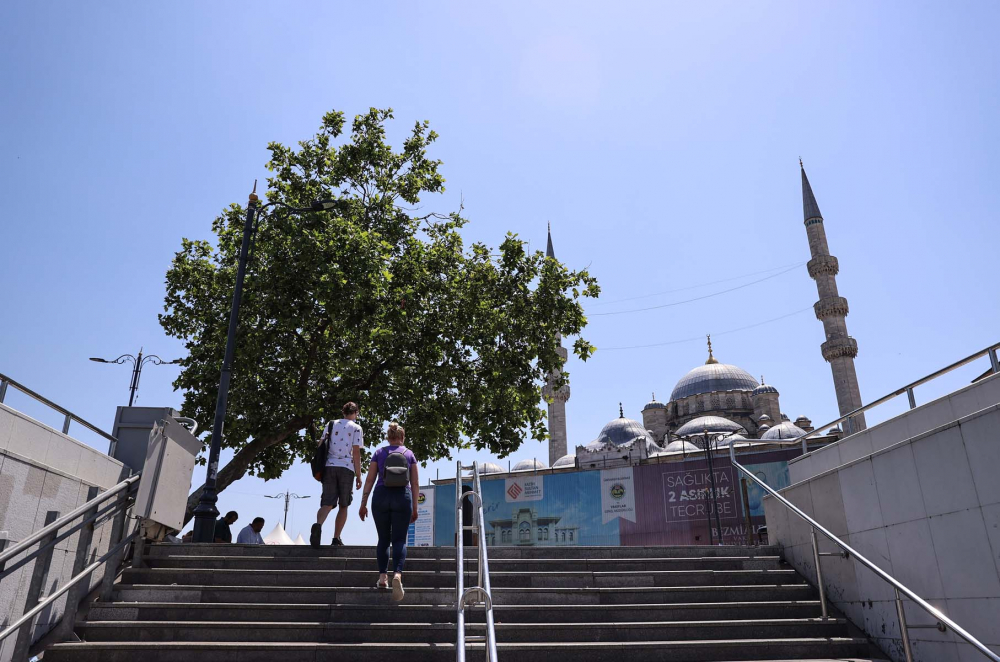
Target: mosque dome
490,468
654,404
764,418
737,439
714,425
681,445
764,388
783,430
623,431
529,465
712,378
565,461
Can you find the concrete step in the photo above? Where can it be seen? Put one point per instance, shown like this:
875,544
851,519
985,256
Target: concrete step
160,550
496,565
446,579
729,650
698,611
501,596
391,632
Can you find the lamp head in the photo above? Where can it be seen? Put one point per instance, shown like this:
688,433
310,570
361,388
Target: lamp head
97,360
323,205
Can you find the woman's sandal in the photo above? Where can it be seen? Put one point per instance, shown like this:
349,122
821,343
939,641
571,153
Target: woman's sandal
382,586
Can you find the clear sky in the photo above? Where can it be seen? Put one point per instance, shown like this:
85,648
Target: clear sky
659,139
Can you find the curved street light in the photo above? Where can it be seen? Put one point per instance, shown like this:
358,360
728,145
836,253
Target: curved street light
138,362
206,513
286,496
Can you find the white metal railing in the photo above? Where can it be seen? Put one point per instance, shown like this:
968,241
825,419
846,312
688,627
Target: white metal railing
55,530
480,594
68,416
848,418
944,623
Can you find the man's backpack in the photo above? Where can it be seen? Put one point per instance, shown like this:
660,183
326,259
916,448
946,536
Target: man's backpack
318,462
396,470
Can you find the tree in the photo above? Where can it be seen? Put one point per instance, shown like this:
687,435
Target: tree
370,302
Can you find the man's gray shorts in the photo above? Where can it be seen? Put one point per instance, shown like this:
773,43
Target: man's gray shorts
338,487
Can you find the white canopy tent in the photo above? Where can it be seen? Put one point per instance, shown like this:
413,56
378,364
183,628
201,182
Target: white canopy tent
300,540
277,536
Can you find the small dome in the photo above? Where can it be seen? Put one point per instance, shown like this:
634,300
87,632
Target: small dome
765,388
713,378
565,461
490,468
784,430
622,431
784,417
764,418
737,439
763,428
835,430
681,445
803,421
529,465
654,404
713,424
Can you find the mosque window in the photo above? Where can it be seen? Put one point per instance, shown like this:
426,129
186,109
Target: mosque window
730,401
571,536
539,533
546,534
524,532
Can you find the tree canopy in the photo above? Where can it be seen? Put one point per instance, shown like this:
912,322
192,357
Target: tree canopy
370,301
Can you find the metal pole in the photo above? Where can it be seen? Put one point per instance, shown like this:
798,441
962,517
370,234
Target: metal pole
903,632
911,398
994,364
39,573
288,496
206,513
117,533
819,572
3,389
459,578
134,386
746,510
65,430
715,494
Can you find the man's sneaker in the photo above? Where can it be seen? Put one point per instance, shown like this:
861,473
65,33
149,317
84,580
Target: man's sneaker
337,542
314,535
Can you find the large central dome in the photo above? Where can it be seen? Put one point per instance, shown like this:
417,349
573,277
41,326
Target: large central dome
712,378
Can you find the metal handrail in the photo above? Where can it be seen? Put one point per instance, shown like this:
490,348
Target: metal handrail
86,572
6,381
990,351
481,592
884,576
65,519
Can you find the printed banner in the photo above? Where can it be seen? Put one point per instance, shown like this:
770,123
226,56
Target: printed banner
421,533
617,494
528,488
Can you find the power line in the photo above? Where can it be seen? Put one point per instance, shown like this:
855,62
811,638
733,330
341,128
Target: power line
696,286
701,338
705,296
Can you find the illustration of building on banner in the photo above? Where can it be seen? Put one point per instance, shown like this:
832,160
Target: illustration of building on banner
421,532
525,527
617,495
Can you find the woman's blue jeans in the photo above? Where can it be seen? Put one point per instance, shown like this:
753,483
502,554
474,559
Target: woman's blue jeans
392,508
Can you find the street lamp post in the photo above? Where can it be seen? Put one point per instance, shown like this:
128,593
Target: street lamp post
137,362
287,496
206,512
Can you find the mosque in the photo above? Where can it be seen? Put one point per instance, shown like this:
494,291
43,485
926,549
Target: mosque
713,399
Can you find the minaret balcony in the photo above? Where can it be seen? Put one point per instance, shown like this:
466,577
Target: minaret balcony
823,265
831,307
839,348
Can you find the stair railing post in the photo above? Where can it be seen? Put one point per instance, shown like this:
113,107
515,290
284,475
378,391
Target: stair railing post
77,593
994,363
819,572
746,510
911,398
39,573
904,633
117,533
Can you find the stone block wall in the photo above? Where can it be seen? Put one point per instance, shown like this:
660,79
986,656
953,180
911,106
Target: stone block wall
42,469
925,509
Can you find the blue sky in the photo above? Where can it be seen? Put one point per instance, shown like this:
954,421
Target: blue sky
659,139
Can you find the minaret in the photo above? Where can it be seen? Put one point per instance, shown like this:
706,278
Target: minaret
558,397
840,348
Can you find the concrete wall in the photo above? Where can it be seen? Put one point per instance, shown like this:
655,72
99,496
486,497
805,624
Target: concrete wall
42,469
951,407
927,511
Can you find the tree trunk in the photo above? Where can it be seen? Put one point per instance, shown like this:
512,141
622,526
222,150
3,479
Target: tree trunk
237,467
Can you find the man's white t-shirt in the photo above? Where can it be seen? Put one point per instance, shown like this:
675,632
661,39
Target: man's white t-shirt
344,434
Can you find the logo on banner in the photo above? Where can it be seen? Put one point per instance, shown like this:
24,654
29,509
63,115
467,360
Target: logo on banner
617,494
421,497
524,489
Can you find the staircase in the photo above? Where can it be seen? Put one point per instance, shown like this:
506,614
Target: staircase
229,603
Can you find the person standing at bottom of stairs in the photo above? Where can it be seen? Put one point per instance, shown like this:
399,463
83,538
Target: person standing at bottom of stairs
393,472
342,474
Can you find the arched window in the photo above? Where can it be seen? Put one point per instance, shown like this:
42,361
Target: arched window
524,532
571,536
546,534
539,533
